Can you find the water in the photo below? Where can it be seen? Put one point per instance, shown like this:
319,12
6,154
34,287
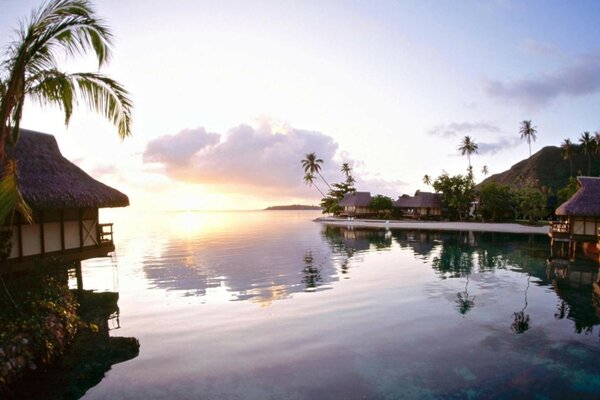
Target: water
270,305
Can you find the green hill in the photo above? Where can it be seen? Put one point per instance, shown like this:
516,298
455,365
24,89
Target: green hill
548,167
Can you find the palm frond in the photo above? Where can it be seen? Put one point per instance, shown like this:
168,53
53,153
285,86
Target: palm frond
107,97
10,195
53,87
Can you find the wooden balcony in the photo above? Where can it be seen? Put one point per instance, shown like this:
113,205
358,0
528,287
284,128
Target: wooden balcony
105,233
560,230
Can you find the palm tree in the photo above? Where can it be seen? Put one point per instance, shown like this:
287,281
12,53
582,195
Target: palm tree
346,169
588,147
30,70
468,147
485,171
309,179
567,148
427,180
528,132
312,165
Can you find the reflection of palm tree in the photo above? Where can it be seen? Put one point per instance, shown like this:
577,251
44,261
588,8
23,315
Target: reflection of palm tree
521,320
464,302
312,275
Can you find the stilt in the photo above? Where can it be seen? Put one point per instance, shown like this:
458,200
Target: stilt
79,275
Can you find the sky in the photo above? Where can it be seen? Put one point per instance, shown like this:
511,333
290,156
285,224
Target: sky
230,95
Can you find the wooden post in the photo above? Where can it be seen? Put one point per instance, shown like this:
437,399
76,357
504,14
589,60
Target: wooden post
42,244
80,228
62,230
20,235
79,275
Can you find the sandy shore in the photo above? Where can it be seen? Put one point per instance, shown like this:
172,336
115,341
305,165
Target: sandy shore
438,226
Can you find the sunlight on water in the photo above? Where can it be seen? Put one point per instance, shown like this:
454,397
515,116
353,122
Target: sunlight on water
270,305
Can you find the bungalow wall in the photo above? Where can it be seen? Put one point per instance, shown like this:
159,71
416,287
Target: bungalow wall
585,226
55,231
357,210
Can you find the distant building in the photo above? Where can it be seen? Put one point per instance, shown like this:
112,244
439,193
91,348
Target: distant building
65,202
580,217
423,205
356,204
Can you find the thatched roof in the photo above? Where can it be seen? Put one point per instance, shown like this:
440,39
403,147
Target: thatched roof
357,199
419,200
586,201
49,181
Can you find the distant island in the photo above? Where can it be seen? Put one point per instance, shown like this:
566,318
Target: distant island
292,207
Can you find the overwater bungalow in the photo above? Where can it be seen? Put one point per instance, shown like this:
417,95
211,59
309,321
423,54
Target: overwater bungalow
580,219
65,202
356,204
423,205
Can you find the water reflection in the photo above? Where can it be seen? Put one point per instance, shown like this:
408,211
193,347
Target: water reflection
261,265
461,254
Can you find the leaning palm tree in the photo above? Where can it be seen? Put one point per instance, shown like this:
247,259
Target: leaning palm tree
485,171
58,30
312,165
309,179
588,147
567,148
427,180
468,147
528,132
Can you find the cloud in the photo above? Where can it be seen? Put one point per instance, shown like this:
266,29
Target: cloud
493,148
178,149
578,79
459,128
532,47
244,156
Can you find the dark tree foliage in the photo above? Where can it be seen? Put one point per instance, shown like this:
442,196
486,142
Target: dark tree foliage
495,202
456,193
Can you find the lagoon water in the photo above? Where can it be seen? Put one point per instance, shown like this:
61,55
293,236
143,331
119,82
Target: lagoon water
270,305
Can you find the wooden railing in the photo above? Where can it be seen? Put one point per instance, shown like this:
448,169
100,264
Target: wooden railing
559,227
105,233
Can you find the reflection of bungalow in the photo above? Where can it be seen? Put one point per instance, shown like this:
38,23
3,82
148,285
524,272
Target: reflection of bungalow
580,217
65,202
423,205
356,204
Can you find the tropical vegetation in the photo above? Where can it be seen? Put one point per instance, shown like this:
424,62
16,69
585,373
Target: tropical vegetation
528,132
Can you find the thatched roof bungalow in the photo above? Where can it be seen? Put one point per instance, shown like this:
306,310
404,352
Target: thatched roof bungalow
423,205
65,202
356,204
580,215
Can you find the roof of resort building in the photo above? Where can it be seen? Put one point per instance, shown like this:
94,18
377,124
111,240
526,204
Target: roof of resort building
586,201
419,200
357,199
47,180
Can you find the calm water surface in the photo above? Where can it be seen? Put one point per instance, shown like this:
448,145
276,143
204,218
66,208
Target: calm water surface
270,305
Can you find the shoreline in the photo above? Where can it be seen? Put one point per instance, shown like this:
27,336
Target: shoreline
436,225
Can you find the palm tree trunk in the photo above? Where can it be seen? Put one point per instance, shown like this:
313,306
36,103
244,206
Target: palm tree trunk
589,164
324,180
571,167
319,190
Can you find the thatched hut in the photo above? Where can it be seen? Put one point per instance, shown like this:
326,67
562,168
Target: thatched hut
423,205
65,202
356,204
580,216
